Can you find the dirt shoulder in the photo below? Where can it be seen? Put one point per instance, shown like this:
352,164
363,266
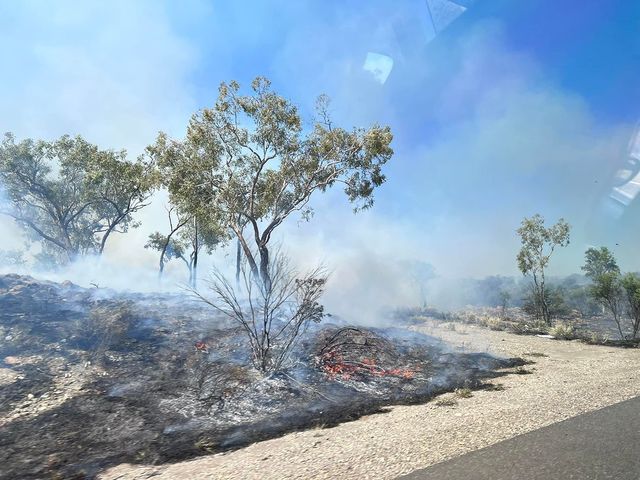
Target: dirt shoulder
572,378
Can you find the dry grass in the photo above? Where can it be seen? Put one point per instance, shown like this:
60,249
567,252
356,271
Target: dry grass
522,371
562,330
446,402
495,323
495,387
535,354
463,393
595,338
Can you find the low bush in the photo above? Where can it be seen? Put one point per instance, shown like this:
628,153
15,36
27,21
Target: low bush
528,328
562,330
495,323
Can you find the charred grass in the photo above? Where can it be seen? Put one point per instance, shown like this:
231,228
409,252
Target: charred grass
105,378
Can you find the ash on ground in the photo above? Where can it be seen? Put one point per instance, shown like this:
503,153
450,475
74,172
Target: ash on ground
90,378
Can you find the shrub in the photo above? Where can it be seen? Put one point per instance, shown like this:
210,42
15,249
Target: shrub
273,316
564,331
494,323
526,328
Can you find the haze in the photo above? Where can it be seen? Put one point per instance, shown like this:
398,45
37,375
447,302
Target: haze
490,122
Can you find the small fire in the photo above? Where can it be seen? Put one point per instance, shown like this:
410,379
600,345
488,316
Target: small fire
201,346
335,365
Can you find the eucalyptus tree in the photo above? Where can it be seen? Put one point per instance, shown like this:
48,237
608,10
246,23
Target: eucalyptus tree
608,291
599,261
618,293
168,245
69,194
119,188
187,237
538,245
631,285
248,161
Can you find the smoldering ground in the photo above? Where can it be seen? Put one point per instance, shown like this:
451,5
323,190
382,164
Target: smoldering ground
91,367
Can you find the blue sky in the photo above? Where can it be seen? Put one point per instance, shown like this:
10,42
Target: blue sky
515,108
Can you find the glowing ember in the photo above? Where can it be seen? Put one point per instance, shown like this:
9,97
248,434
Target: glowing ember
335,365
200,346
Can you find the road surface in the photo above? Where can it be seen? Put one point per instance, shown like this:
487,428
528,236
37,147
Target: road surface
599,445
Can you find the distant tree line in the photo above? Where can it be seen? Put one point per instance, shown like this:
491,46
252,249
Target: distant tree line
602,288
607,288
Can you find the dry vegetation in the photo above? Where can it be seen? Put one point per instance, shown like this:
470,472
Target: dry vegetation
595,329
569,378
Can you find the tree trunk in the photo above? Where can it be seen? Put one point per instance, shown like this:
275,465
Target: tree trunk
264,268
543,299
545,308
166,243
238,261
103,241
161,270
196,247
247,253
616,316
163,254
194,272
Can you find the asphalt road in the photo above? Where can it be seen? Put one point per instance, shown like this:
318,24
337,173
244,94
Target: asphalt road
600,445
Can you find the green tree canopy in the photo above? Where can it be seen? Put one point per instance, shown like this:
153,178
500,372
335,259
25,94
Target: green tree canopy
538,245
249,161
631,285
71,195
599,261
608,291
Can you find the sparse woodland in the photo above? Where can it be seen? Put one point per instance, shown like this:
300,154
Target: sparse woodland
248,164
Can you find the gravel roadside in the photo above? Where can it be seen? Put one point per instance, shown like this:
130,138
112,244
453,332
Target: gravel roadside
571,378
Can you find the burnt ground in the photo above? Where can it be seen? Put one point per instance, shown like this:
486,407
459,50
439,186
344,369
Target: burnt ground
90,378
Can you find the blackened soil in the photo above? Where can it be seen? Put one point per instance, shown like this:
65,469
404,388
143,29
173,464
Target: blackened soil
92,378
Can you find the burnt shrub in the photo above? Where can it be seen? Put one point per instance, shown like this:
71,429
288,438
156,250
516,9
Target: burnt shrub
107,326
272,316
